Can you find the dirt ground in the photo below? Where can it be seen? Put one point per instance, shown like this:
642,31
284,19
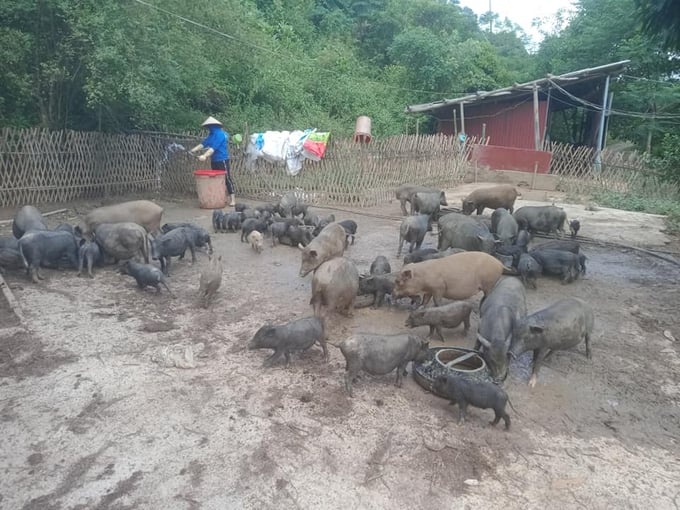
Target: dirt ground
91,420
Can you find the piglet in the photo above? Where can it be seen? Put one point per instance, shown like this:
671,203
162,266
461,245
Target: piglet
256,241
146,275
482,394
297,335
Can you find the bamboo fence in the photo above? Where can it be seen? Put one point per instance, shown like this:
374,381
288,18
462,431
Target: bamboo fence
620,172
42,166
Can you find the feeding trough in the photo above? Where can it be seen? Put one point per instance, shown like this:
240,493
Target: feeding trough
466,363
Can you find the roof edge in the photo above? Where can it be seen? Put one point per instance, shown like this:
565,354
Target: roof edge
478,96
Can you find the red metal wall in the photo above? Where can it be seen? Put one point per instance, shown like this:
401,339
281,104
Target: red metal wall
507,124
511,158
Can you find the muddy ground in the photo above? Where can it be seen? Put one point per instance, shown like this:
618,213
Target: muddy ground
91,420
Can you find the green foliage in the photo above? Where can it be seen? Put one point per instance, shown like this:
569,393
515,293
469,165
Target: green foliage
641,203
669,163
603,31
661,20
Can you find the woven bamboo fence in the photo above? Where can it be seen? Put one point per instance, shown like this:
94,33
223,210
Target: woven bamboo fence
357,174
621,172
41,166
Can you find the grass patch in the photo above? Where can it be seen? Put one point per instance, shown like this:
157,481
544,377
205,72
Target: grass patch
630,202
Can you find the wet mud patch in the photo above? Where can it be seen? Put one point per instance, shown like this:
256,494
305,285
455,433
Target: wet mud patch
23,355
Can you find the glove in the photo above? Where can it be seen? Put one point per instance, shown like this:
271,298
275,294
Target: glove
197,148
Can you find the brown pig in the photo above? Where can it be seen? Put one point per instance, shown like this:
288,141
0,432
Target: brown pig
143,212
334,286
330,243
503,195
459,276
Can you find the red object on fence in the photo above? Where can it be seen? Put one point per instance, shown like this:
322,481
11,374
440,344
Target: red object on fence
209,173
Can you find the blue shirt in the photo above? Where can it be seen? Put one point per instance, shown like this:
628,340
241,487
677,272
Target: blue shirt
217,141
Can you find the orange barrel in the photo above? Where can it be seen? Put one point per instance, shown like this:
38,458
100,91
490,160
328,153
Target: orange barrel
362,129
211,189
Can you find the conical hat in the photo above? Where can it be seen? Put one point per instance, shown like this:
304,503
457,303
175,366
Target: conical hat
211,121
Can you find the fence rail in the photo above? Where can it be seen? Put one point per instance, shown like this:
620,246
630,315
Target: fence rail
42,166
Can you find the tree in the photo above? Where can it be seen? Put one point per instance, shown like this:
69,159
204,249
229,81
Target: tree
661,20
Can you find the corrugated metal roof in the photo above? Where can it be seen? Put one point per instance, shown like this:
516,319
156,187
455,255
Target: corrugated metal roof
524,88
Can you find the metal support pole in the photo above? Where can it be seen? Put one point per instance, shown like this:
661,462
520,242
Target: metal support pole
455,124
462,119
600,134
537,125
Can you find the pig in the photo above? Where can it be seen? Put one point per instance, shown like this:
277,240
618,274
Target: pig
296,335
448,316
574,227
26,219
420,254
323,223
560,263
523,238
350,227
378,286
458,231
330,243
499,315
503,195
143,212
559,244
290,222
543,218
504,225
91,252
412,230
256,241
514,252
122,241
233,222
249,213
481,394
173,244
10,258
290,204
210,280
529,270
335,285
560,326
458,276
251,224
277,230
146,275
266,208
219,221
437,254
428,203
582,262
199,235
297,236
240,207
405,192
44,248
380,355
65,227
311,219
380,265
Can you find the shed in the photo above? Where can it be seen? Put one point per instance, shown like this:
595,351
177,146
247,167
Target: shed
516,123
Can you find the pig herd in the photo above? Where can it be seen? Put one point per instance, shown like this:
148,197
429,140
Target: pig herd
495,257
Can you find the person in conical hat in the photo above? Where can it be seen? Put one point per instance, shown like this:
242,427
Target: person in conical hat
217,145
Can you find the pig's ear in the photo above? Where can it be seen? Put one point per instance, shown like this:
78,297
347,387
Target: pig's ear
82,242
407,274
313,253
535,328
